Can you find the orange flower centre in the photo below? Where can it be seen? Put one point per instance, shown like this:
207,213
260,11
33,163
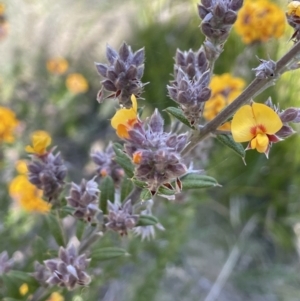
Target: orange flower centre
137,157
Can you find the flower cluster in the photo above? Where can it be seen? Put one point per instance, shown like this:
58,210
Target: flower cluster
190,87
106,165
26,194
155,153
46,170
259,21
123,74
68,270
293,18
5,263
8,124
218,18
120,218
84,198
225,88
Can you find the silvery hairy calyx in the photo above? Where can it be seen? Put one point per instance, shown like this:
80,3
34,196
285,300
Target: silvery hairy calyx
155,153
106,165
84,198
190,85
122,74
68,270
6,263
47,173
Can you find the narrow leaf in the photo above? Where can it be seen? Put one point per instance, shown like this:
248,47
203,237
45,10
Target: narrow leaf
22,277
39,248
229,142
80,227
107,189
178,114
126,188
196,181
56,229
108,253
145,195
124,161
147,220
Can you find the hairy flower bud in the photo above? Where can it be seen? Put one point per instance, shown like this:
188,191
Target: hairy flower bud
120,218
293,18
84,198
5,263
123,74
47,173
68,270
106,165
266,69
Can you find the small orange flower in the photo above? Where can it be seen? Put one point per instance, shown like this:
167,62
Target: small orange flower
25,193
57,65
256,123
137,157
8,123
76,83
124,119
23,289
40,141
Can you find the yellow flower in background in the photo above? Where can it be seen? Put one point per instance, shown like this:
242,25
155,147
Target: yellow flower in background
260,20
256,123
26,194
40,141
293,8
8,123
57,65
225,88
56,297
76,83
125,118
23,289
2,8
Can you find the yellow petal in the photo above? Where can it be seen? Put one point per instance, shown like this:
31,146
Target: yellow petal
122,131
260,143
266,117
134,102
241,124
122,116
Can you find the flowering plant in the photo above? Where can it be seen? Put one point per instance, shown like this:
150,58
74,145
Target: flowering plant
84,214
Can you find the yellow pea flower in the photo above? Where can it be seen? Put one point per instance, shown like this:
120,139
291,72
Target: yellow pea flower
256,123
76,83
23,289
125,118
56,297
260,20
57,65
8,124
293,8
40,141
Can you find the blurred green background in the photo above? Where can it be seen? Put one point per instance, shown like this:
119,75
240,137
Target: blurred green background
239,242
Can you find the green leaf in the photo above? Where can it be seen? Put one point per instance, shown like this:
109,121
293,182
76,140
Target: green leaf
126,188
229,142
39,248
107,253
147,220
196,181
124,161
55,227
21,277
80,227
178,114
145,195
139,183
66,210
107,188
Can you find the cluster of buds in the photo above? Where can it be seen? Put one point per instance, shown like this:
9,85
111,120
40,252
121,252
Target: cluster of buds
266,69
5,263
106,165
293,18
122,75
84,198
155,153
47,173
190,87
68,270
120,218
218,16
